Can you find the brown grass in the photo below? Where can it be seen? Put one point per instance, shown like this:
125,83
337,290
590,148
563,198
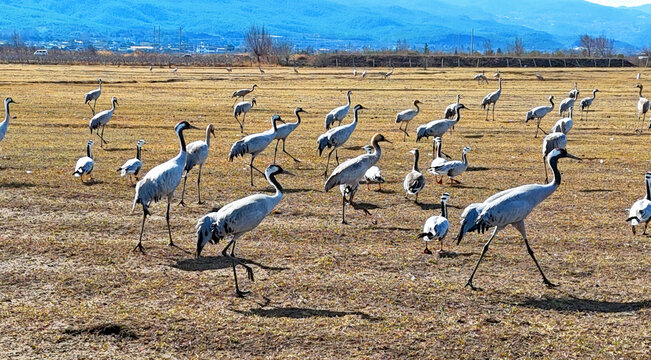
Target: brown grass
70,287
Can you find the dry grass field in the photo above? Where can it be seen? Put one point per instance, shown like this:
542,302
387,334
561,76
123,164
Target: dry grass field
71,287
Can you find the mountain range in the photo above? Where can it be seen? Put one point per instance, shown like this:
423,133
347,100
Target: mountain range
443,24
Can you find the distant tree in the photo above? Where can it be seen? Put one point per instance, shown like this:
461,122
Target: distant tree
258,42
426,49
402,46
517,48
498,51
587,43
283,51
15,39
488,48
603,46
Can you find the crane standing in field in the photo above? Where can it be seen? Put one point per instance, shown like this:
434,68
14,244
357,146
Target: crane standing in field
406,116
364,73
492,98
337,137
452,168
85,164
241,108
481,78
564,125
101,119
237,218
255,144
197,155
538,113
587,102
93,95
241,93
387,74
436,227
285,130
511,207
4,125
415,180
566,105
451,110
640,212
643,105
338,113
351,171
161,182
437,128
132,166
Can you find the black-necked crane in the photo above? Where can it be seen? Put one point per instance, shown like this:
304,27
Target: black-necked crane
437,128
254,144
160,182
93,95
555,140
481,78
538,113
151,68
492,98
436,227
564,125
4,125
285,130
175,70
101,119
405,116
85,164
415,180
337,137
241,93
351,171
338,114
587,102
373,175
197,155
640,212
643,105
241,108
512,206
453,168
132,166
237,218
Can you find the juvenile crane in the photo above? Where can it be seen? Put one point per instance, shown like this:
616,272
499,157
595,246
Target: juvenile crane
436,227
132,166
538,113
640,212
511,207
373,175
643,105
93,95
101,119
453,168
255,144
338,113
4,125
161,182
405,116
337,137
237,218
284,130
564,125
197,155
351,171
85,164
437,128
587,102
241,108
492,98
241,93
415,180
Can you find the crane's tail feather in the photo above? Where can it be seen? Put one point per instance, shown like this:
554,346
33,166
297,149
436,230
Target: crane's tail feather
429,235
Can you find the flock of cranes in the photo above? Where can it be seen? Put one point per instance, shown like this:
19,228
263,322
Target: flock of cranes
507,207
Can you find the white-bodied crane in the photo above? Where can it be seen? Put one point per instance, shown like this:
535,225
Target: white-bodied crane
4,125
93,95
451,110
436,227
337,137
241,108
574,93
373,175
643,105
566,105
197,155
640,212
437,128
492,98
564,125
85,164
338,114
241,93
481,78
453,168
538,113
132,166
101,119
406,116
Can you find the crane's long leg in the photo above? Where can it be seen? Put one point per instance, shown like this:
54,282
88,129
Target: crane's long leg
495,103
290,155
142,229
185,179
487,109
235,261
521,228
325,174
276,150
239,123
167,218
537,127
483,251
102,136
199,183
405,131
251,165
91,108
337,155
343,209
243,119
545,166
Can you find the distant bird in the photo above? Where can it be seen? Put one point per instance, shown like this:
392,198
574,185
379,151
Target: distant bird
160,182
436,227
566,105
492,98
437,128
101,119
538,113
451,111
511,207
415,180
175,70
151,68
364,73
260,68
285,130
538,76
351,171
388,74
93,95
241,108
255,144
639,76
564,125
643,105
373,175
132,166
405,116
237,218
5,123
354,71
437,161
453,168
85,164
497,74
574,93
555,140
197,155
338,113
337,137
295,70
241,93
587,102
229,69
640,212
481,78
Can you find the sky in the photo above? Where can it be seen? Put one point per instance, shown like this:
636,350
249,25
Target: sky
621,2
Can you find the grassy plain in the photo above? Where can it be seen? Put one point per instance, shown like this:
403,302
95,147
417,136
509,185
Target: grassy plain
70,286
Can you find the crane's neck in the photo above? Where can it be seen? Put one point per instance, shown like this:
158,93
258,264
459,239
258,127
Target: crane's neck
6,112
464,156
279,189
500,84
348,97
416,156
417,107
556,181
438,149
594,94
274,126
138,152
458,115
377,153
208,136
551,101
458,98
88,152
100,86
298,117
356,117
112,106
444,209
648,189
181,140
640,91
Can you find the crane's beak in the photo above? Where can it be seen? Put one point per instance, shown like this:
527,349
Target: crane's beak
305,112
194,127
212,131
385,140
15,102
288,173
574,157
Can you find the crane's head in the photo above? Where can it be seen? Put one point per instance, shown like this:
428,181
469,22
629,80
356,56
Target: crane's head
413,151
254,86
466,149
647,177
90,143
140,143
253,102
299,110
204,233
349,92
551,97
460,106
638,85
377,138
99,81
114,101
358,107
445,197
595,91
183,125
276,118
417,102
273,170
211,129
9,101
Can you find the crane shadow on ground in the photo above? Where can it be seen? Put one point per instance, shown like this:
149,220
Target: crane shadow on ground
303,313
477,168
570,303
595,190
17,185
206,263
116,149
93,182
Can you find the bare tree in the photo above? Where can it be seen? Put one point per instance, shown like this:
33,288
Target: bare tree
283,50
517,48
587,43
603,46
15,39
258,42
488,48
